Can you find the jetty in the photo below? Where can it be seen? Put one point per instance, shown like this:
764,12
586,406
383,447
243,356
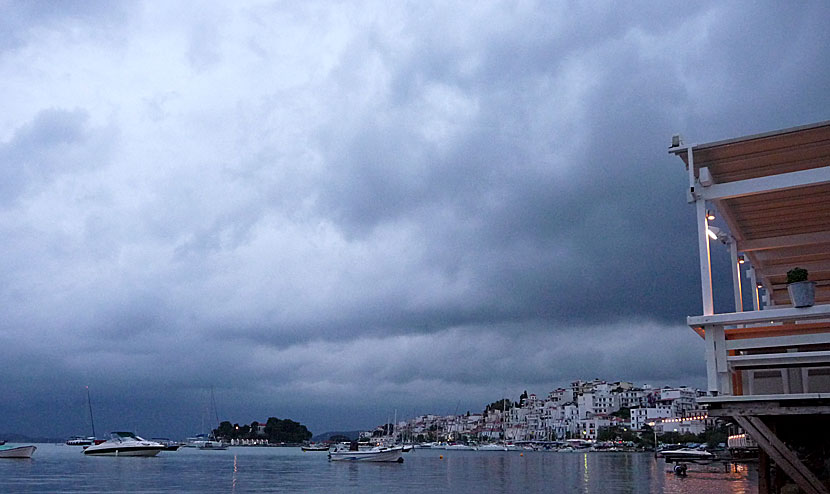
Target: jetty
765,198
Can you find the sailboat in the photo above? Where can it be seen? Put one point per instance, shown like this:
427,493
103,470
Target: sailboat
210,442
85,441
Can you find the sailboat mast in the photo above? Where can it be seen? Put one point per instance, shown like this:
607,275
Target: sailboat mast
89,403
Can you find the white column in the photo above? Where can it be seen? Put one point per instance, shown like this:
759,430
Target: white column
736,276
705,261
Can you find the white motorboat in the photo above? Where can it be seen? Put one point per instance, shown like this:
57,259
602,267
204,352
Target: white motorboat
80,441
9,451
459,447
492,447
125,444
213,444
686,454
376,454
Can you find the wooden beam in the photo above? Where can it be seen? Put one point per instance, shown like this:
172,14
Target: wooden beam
784,241
783,457
769,183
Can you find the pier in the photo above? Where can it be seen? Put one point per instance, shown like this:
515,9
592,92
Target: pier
766,199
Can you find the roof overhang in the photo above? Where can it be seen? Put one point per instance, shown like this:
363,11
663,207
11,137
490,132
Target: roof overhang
773,192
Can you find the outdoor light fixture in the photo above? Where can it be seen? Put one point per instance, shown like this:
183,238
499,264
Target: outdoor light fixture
741,259
713,232
760,285
710,215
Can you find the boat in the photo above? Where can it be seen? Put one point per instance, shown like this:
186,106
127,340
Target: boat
169,445
460,447
89,440
80,441
124,444
492,447
315,447
686,454
375,454
9,451
204,441
213,444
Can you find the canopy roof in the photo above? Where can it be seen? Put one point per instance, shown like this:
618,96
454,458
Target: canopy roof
773,192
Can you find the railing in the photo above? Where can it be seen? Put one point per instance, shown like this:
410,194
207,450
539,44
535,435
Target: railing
744,349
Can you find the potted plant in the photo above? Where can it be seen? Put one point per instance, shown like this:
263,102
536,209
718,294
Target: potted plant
802,292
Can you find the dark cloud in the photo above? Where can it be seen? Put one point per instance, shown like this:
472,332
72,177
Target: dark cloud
327,212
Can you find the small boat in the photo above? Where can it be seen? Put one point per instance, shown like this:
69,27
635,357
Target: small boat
203,441
169,445
492,447
17,451
686,454
376,454
315,447
80,441
459,446
124,444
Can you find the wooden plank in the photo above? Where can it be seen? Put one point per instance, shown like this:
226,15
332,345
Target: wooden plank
781,454
776,330
779,359
779,341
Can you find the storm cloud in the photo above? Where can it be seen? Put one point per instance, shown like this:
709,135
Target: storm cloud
328,211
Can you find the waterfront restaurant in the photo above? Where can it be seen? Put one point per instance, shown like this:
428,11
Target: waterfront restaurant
766,198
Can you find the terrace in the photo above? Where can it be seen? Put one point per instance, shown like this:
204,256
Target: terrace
771,193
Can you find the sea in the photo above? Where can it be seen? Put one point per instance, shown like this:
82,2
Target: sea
60,468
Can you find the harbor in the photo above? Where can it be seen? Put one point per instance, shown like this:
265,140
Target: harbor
57,468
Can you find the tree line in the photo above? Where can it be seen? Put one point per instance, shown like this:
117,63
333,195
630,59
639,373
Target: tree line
275,431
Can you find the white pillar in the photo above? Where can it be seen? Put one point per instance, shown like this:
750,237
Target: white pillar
705,260
736,276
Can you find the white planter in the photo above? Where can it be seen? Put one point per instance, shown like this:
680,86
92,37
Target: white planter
803,293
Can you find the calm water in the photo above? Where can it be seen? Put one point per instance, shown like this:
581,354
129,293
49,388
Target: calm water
60,468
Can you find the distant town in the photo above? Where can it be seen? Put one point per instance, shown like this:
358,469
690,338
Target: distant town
588,410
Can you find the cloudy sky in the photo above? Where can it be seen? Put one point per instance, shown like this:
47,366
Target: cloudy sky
329,211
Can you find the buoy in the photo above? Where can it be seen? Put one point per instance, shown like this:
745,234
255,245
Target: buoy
521,454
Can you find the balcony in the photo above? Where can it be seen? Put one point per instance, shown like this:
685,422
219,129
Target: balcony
770,194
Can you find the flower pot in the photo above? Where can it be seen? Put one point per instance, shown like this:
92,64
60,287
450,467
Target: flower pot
802,293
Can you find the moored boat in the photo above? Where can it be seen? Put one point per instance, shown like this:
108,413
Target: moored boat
9,451
315,447
492,447
169,445
124,444
687,455
80,441
376,454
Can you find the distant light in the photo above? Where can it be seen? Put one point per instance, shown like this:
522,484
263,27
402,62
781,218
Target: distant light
710,215
741,259
760,285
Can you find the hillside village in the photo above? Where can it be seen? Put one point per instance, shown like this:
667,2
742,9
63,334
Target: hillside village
579,411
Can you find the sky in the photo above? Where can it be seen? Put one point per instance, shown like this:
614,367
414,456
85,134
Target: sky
336,212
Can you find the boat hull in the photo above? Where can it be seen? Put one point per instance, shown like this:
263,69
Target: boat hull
386,455
125,451
18,452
